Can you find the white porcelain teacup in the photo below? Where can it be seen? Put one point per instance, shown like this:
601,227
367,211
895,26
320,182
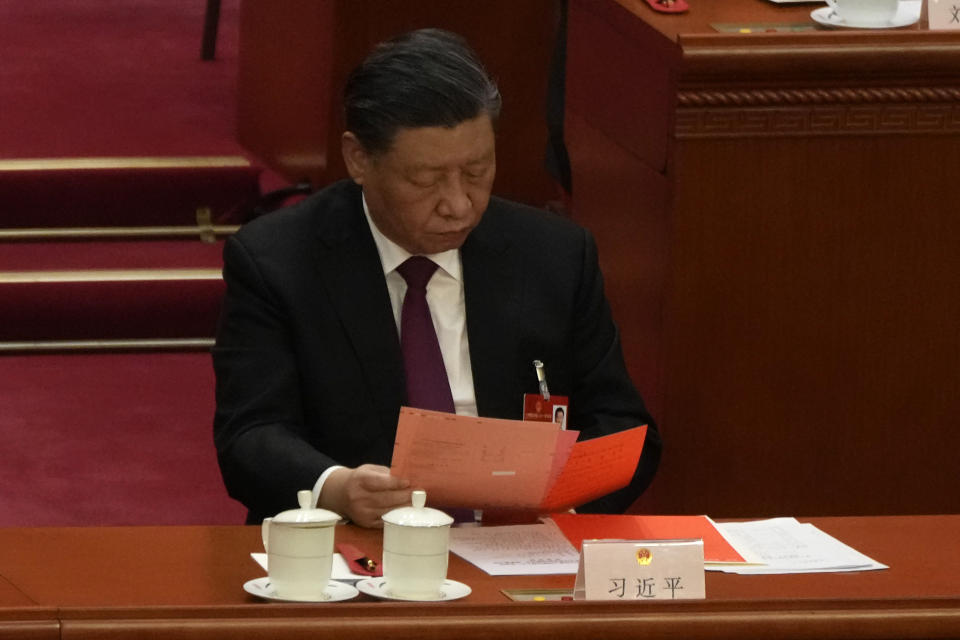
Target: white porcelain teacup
865,12
416,543
299,546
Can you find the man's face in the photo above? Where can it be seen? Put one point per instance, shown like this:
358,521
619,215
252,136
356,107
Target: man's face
430,189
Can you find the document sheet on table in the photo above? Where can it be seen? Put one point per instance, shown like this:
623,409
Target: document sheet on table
784,545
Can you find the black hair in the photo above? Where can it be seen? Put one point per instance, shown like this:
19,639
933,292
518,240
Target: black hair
423,78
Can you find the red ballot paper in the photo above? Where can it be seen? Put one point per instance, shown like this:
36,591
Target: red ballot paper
463,461
595,468
578,528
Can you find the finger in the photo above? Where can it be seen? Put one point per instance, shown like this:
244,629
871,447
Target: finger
386,500
368,509
376,481
376,468
368,519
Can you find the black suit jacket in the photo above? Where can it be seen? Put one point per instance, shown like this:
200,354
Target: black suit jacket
308,362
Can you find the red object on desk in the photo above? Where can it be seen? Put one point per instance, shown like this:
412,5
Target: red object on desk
580,527
678,6
358,561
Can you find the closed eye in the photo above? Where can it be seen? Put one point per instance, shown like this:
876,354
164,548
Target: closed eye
477,173
423,182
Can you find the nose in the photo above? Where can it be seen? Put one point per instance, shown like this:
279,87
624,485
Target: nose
454,200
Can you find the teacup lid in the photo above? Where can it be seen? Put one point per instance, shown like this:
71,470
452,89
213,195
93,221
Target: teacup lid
418,515
307,513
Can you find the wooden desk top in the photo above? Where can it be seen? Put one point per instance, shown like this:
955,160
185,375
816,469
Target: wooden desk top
21,617
188,580
704,14
818,53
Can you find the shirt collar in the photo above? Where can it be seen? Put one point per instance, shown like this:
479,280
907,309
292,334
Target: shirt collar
393,255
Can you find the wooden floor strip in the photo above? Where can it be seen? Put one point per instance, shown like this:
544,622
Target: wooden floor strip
109,275
159,162
93,233
135,344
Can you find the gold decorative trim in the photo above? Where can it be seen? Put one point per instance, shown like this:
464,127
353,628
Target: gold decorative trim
159,162
818,96
818,120
136,344
90,233
205,224
109,275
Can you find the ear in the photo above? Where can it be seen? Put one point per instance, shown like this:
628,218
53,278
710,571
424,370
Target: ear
355,157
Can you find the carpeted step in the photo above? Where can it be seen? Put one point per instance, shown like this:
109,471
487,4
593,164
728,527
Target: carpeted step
125,290
126,192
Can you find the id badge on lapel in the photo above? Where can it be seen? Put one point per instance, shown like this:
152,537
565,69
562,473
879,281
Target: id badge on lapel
544,406
539,410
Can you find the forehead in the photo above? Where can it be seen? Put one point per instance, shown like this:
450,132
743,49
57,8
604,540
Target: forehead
470,141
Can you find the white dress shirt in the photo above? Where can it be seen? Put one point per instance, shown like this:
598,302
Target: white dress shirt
447,304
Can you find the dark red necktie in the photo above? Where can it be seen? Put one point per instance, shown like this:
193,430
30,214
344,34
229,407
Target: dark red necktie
427,384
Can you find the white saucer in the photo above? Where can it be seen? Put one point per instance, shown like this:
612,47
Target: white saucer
377,587
336,591
905,17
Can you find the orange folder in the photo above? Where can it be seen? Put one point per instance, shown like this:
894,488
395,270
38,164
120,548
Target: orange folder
580,527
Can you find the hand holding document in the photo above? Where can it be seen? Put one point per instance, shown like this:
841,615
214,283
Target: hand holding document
463,461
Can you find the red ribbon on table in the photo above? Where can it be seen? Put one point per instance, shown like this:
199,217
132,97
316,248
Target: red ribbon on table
358,561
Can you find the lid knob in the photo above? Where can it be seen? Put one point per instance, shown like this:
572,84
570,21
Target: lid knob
419,498
305,498
418,514
307,513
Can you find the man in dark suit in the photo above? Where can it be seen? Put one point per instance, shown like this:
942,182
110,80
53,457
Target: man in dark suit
310,369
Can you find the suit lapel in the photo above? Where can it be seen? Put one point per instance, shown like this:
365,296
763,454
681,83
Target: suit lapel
492,286
349,267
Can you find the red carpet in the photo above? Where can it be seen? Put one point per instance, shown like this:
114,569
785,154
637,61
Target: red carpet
115,78
110,439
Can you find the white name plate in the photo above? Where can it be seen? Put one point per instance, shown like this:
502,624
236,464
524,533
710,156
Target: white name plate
943,14
634,570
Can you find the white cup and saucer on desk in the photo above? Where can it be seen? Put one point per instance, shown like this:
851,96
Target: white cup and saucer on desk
868,14
416,549
299,546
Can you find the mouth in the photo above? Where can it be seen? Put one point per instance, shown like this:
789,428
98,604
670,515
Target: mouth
457,232
445,240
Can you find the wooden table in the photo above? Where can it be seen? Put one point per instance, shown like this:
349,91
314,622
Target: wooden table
777,219
186,582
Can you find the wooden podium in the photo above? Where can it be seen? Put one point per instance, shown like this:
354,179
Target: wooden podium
778,217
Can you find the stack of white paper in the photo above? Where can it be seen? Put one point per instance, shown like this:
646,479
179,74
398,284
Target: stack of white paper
785,545
514,550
